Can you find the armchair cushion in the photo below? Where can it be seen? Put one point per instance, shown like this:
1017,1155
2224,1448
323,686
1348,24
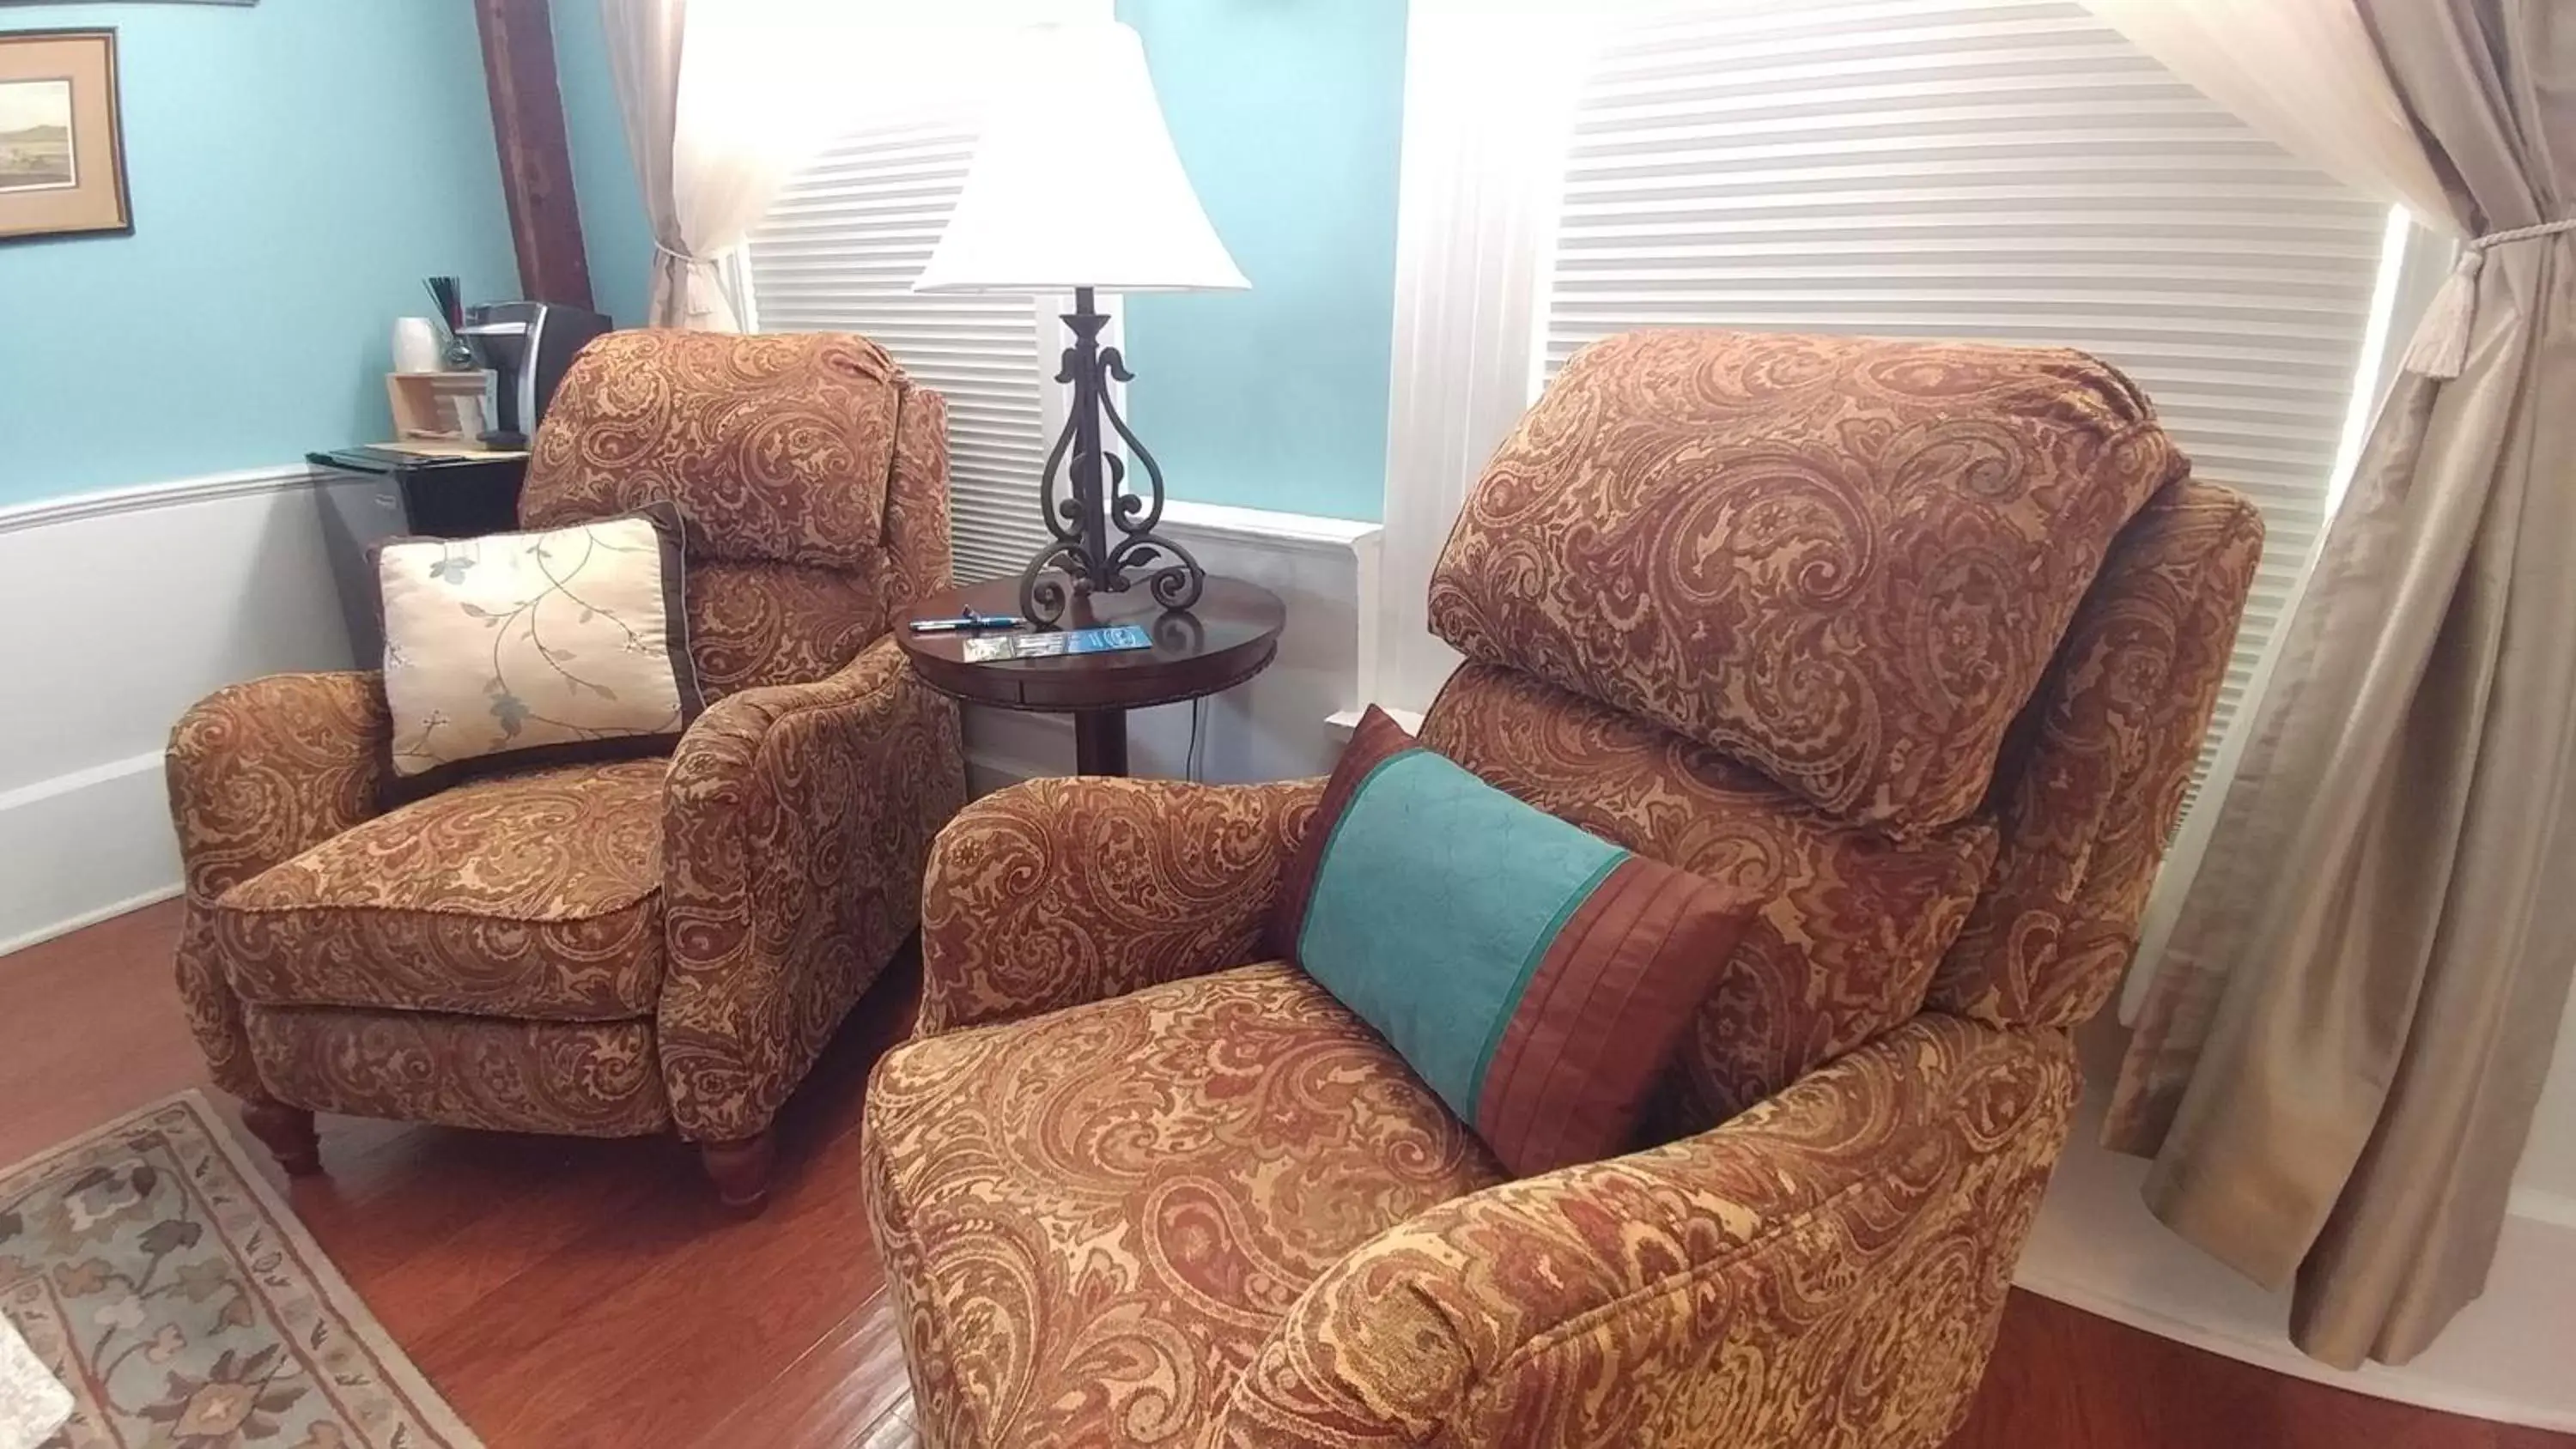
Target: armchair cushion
529,895
755,624
1844,561
778,448
259,773
1093,1218
1826,1269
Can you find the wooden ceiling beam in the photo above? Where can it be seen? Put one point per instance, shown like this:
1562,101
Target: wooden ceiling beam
536,158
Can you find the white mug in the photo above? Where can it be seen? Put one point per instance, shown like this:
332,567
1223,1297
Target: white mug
416,346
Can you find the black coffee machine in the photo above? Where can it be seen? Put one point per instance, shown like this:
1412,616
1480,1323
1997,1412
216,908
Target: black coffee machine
527,347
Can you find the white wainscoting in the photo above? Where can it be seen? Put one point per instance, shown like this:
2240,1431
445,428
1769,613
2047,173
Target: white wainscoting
122,609
1276,726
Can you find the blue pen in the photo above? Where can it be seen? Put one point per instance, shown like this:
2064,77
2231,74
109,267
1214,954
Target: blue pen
968,620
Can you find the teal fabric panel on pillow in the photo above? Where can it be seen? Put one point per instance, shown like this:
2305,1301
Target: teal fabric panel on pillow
1432,905
1534,975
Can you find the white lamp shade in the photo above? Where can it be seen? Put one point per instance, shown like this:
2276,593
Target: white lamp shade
1075,183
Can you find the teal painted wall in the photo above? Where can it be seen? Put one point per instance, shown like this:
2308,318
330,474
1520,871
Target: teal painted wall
296,169
615,237
1287,115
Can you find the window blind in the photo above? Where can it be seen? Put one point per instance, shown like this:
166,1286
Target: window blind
838,252
2008,171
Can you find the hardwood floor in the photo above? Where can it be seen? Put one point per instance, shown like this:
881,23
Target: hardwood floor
567,1293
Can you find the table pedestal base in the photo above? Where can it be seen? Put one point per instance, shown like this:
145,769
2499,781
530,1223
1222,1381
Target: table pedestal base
1100,742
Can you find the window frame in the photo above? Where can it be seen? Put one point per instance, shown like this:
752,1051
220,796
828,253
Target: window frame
1489,102
968,23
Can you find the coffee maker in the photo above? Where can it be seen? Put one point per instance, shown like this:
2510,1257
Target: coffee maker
526,347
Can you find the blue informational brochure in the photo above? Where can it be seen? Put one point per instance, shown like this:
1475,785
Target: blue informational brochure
985,648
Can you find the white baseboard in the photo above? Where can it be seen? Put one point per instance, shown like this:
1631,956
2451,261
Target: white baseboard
2505,1358
2406,1385
84,846
106,911
2536,1205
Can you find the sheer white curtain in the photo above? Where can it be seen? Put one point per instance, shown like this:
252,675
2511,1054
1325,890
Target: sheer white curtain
648,45
2308,74
2302,72
723,100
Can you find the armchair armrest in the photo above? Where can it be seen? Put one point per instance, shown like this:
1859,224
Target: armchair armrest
1827,1268
258,773
795,822
1058,892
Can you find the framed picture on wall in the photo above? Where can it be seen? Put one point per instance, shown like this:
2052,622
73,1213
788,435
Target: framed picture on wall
62,142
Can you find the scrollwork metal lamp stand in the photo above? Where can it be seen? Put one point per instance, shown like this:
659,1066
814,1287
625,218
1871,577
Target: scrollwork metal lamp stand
1102,531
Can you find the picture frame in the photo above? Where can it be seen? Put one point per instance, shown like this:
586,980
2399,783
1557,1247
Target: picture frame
62,136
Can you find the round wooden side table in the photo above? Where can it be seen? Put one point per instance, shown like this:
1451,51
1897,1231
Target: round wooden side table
1227,637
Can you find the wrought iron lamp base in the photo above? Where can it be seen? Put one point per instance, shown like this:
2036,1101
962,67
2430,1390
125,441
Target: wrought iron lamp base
1102,534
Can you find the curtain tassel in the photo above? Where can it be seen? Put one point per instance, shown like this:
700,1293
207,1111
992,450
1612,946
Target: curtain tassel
2441,345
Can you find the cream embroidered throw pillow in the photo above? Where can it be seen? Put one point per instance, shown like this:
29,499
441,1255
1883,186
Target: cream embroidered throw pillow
542,647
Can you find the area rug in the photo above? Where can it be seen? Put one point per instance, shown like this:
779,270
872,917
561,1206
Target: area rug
156,1275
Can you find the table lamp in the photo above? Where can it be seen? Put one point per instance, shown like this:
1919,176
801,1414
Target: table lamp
1075,186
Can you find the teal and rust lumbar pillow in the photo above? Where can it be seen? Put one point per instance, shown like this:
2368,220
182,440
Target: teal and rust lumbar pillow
1536,976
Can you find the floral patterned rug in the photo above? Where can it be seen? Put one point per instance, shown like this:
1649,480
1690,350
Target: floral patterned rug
155,1273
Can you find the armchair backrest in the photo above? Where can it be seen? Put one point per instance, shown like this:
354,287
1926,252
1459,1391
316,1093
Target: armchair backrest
813,477
1832,617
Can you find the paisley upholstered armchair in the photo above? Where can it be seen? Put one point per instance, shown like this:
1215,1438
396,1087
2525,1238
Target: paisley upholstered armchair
606,949
1919,641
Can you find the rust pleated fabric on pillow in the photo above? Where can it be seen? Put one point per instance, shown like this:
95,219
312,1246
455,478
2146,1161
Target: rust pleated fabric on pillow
1535,976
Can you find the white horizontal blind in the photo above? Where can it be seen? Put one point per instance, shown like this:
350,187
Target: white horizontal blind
838,252
2005,171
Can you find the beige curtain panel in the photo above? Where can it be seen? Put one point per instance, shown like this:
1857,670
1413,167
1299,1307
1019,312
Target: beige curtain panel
2340,1054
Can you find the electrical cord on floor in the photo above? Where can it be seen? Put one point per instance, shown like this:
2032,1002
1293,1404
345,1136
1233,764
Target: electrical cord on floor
1192,763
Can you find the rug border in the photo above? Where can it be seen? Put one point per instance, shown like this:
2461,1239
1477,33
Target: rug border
440,1416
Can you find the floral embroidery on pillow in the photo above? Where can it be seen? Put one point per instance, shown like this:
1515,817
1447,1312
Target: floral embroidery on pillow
523,641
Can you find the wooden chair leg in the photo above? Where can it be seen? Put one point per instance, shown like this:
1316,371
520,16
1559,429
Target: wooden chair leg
740,1170
288,1134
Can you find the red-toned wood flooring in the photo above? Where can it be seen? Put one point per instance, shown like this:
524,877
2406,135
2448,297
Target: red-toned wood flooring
565,1293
